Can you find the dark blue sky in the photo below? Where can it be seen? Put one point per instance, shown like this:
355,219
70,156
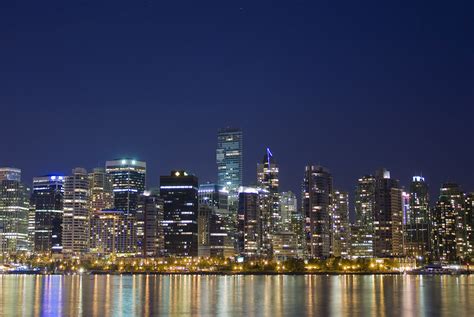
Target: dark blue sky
352,85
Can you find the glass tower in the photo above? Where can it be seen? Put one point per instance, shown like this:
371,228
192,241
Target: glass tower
229,162
47,201
128,181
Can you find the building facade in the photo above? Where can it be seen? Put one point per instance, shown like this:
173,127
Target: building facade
76,216
128,182
179,192
47,201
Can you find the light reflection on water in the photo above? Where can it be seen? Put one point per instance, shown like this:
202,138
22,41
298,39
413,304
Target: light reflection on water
259,295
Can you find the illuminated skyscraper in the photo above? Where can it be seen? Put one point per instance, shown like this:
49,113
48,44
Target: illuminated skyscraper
317,202
101,190
76,217
417,220
267,179
340,233
229,158
216,224
47,201
249,226
449,232
363,229
149,225
388,216
14,211
128,181
179,192
288,209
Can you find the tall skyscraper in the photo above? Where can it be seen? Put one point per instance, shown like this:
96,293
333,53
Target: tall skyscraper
47,201
14,211
128,181
76,217
288,209
249,228
469,212
101,190
149,225
229,158
216,224
449,224
267,178
179,192
417,220
363,229
340,232
388,216
317,201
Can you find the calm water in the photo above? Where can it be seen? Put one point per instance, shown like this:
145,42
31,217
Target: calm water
183,295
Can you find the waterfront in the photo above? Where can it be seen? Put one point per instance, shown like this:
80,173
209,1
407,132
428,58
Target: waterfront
236,295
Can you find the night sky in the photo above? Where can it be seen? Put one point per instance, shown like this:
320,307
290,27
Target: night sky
351,85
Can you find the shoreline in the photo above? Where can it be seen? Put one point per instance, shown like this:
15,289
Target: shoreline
236,273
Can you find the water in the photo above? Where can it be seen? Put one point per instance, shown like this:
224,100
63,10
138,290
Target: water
195,295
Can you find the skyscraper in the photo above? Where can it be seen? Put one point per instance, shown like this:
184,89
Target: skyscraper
449,224
128,181
229,158
388,216
47,201
149,225
340,232
14,211
317,201
249,228
216,224
101,190
179,192
267,179
76,217
363,229
288,209
417,220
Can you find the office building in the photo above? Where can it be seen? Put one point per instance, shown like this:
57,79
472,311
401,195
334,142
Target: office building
229,158
179,192
149,225
14,212
76,217
101,190
340,233
316,203
47,201
128,182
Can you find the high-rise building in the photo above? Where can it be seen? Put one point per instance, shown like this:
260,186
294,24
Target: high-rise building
216,224
267,179
179,192
417,220
340,232
76,217
128,182
288,209
285,245
317,201
469,212
101,190
47,202
449,234
362,231
249,227
229,158
113,232
388,216
149,225
14,212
